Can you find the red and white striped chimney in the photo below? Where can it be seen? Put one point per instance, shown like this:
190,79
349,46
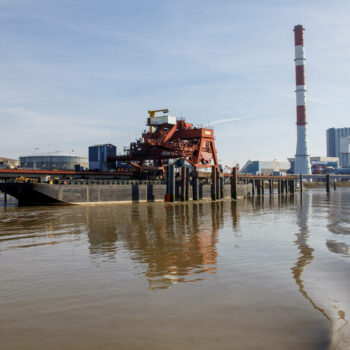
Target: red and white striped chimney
302,162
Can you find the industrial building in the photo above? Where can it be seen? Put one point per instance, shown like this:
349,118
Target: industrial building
338,145
319,164
98,155
263,167
9,163
54,162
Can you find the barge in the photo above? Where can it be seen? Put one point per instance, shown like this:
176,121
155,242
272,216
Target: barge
67,192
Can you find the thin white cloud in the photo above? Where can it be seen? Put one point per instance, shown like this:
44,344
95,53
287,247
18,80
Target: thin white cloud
234,119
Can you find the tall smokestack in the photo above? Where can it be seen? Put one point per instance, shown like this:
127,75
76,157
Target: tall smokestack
302,161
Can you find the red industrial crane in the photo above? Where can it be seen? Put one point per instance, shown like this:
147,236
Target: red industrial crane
169,138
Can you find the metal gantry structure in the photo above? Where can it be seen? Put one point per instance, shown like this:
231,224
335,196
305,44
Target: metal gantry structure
170,139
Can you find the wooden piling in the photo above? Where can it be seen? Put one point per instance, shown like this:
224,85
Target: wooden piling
279,186
167,169
234,180
271,186
213,183
183,184
222,186
195,187
262,187
301,183
328,183
218,192
291,186
187,187
172,183
335,184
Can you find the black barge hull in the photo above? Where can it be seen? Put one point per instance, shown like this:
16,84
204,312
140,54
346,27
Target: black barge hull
85,193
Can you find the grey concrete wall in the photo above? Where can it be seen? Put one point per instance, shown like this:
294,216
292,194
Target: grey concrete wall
110,193
90,193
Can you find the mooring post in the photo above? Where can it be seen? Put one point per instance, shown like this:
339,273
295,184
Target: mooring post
328,183
335,184
291,186
301,183
218,193
222,186
167,174
234,180
213,183
253,187
271,186
172,183
183,184
195,189
5,197
187,191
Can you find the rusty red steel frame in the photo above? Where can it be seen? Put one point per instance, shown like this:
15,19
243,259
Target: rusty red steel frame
171,141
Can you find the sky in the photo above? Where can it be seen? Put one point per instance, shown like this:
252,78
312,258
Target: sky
84,72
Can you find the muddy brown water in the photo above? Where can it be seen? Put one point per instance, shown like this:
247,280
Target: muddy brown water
271,273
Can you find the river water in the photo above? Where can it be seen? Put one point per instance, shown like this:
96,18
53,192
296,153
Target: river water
269,273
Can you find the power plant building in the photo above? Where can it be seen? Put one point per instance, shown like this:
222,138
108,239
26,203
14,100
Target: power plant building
338,145
319,165
265,167
98,155
8,163
54,162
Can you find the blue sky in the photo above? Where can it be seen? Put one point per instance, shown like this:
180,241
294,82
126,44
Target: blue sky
76,73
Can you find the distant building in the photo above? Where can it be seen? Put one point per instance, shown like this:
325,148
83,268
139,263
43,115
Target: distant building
263,167
98,155
54,162
9,163
319,165
338,145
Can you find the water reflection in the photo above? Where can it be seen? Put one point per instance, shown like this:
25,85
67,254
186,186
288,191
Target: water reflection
305,252
327,299
176,243
338,247
339,224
